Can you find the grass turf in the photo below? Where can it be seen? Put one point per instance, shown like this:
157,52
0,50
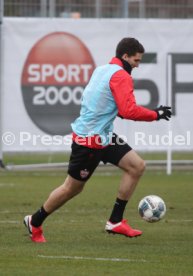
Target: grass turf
77,229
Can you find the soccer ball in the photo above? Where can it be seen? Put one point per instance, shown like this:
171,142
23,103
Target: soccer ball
152,208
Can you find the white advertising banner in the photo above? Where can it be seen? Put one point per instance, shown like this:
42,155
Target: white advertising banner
48,62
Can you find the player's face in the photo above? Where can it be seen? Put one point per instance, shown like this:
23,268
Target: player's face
134,60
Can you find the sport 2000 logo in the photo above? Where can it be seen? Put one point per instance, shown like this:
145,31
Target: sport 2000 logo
55,73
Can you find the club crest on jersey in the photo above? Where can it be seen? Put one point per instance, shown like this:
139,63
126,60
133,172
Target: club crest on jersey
84,173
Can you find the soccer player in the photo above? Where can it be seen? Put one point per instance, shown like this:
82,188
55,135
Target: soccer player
108,94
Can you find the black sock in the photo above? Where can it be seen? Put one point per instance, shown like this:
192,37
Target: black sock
39,217
118,209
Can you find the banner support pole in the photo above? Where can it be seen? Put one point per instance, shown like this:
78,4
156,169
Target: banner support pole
1,90
169,103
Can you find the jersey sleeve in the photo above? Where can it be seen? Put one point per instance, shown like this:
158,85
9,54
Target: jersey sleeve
121,85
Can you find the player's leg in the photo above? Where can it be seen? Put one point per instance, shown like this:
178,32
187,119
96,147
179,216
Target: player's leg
133,167
82,164
56,199
121,155
70,188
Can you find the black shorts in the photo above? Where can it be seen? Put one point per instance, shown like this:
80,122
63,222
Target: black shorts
83,160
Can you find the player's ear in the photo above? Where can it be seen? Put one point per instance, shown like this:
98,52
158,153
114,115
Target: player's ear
124,56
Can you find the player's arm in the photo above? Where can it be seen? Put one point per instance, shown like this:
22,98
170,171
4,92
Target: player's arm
121,86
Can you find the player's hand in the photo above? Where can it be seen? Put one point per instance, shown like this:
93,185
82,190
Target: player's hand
163,112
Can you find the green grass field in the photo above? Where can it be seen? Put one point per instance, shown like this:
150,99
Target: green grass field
77,229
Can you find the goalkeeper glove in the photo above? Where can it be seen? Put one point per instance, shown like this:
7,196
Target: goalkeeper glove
163,112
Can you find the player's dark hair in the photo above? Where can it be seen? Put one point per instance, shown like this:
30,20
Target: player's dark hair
129,46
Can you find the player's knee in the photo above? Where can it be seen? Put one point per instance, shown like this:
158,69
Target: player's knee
75,190
80,189
139,168
70,189
142,167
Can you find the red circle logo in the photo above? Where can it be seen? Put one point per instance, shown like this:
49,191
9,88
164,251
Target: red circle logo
55,73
